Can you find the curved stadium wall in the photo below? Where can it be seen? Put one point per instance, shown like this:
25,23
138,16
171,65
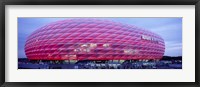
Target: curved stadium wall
92,39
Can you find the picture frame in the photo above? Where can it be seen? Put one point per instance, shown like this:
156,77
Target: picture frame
98,2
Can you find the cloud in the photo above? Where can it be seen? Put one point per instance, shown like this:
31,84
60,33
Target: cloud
173,48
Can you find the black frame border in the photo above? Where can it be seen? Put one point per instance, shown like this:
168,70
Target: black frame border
97,2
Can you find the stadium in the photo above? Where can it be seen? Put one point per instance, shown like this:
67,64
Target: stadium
93,43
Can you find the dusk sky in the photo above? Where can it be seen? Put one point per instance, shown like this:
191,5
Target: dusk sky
170,29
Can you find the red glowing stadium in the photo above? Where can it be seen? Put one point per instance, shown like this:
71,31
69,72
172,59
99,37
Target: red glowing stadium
93,39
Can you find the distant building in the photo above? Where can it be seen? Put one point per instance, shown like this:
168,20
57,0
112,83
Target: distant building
92,39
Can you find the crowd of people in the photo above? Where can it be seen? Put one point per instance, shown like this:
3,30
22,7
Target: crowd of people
128,65
163,64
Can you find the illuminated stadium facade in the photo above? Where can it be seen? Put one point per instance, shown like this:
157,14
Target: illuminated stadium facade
92,39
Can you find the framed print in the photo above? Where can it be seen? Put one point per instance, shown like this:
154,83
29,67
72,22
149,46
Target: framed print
119,43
